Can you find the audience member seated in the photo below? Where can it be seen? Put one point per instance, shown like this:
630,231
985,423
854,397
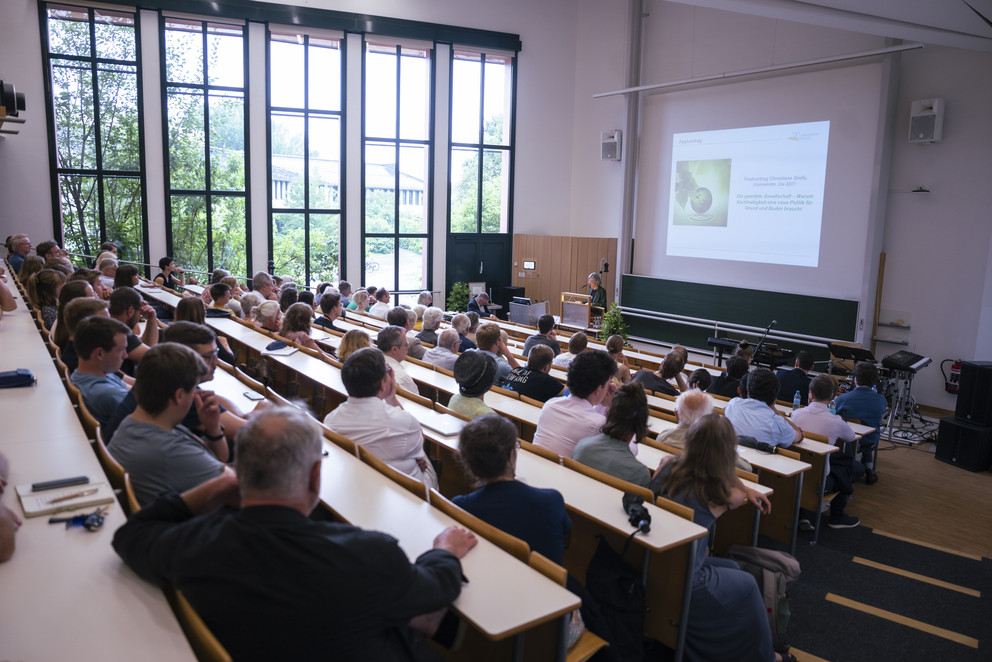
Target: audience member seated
381,305
626,424
756,416
234,305
727,618
461,324
20,246
73,314
659,381
101,344
152,444
268,568
261,282
489,341
330,310
344,289
429,326
73,289
576,345
425,299
745,350
10,521
728,383
445,353
566,420
32,264
352,341
700,379
360,301
546,335
816,418
796,379
191,309
7,301
127,307
268,316
49,250
250,301
473,325
392,342
108,269
534,379
689,408
488,449
474,372
480,305
202,340
614,347
867,405
405,319
296,326
372,416
169,275
220,295
306,296
287,297
43,293
107,249
92,277
126,276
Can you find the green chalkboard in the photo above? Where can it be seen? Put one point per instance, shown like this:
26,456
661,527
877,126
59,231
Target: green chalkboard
796,313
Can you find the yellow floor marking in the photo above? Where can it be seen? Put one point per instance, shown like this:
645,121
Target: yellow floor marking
967,555
920,578
903,620
805,657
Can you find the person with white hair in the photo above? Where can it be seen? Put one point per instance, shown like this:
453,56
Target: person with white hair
245,553
445,353
431,321
689,408
461,324
425,299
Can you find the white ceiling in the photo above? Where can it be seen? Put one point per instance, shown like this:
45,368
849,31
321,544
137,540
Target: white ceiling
942,22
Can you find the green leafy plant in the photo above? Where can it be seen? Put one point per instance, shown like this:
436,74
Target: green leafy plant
613,324
457,297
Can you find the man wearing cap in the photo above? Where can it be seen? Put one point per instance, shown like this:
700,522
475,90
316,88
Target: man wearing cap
474,372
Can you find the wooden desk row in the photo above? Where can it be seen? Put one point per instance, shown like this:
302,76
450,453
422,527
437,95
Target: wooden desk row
67,595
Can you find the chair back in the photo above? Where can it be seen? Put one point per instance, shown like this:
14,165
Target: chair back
685,512
510,544
111,467
204,643
609,479
409,482
132,500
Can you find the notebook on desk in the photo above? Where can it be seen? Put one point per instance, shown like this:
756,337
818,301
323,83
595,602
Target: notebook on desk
36,504
441,423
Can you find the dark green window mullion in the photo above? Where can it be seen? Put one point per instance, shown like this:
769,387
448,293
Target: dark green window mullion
97,133
396,170
208,192
482,140
306,159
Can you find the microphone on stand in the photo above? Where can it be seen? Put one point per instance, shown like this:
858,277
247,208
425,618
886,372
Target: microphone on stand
761,343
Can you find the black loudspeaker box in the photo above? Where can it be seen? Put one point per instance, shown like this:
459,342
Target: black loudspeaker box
975,393
964,444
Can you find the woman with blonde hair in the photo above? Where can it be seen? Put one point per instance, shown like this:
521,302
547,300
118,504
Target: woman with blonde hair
614,347
359,301
268,316
353,341
43,292
727,619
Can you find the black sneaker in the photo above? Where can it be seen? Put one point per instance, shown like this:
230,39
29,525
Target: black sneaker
843,522
871,476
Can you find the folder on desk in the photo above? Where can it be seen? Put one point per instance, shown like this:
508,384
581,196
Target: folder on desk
36,504
441,423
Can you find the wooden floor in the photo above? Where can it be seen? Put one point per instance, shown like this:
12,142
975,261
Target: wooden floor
922,498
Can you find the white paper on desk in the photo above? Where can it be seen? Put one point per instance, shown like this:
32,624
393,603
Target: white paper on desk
35,504
149,287
441,423
285,351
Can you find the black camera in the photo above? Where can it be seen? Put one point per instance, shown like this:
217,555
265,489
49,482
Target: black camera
637,514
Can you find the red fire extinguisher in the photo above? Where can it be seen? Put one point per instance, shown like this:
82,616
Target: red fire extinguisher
951,383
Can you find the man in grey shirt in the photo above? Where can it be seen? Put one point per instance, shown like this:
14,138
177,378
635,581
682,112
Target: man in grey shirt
446,352
545,335
158,452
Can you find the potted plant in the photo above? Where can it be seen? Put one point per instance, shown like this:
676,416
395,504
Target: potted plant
613,324
457,298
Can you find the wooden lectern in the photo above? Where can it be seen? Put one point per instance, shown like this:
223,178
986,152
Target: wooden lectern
578,312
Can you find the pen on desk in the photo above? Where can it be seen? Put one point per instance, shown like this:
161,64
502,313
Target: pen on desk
74,495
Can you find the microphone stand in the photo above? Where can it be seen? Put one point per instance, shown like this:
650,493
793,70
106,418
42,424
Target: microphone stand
761,343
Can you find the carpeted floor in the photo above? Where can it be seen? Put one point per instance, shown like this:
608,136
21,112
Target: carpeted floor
843,567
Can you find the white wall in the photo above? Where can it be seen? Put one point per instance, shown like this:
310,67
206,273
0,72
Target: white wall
938,244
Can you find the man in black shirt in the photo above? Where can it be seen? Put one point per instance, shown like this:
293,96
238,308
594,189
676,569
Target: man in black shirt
728,383
534,380
797,379
269,582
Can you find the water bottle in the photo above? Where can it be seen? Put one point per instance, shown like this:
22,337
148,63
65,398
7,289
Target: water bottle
832,408
874,389
797,401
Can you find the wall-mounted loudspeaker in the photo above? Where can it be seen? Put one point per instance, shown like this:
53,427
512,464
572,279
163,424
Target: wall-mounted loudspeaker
609,144
926,121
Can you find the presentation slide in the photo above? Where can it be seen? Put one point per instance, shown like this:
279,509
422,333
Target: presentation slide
751,194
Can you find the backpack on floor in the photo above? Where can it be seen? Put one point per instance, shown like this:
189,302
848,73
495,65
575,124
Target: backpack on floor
773,571
618,589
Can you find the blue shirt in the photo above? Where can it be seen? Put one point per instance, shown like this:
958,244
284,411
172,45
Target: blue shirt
536,516
16,261
101,393
756,419
864,404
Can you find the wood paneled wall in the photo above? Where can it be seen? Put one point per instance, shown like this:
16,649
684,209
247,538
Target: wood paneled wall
561,265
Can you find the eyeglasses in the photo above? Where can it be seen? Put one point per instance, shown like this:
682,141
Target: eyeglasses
210,356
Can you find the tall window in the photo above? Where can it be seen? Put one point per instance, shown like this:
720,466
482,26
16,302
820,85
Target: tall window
92,59
204,91
396,172
481,146
305,158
